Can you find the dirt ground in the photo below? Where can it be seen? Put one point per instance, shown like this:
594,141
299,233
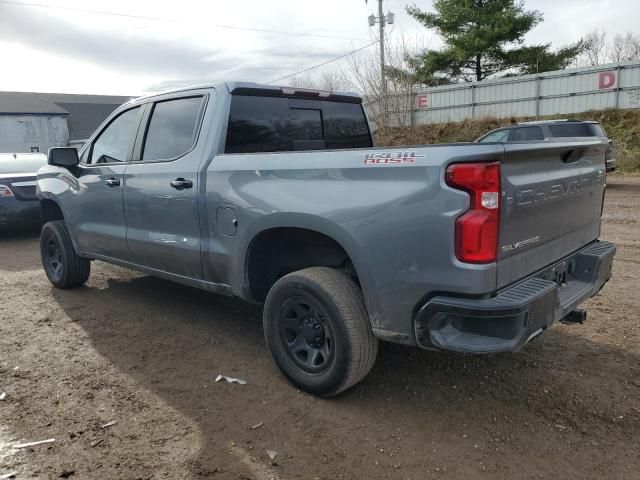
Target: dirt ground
145,352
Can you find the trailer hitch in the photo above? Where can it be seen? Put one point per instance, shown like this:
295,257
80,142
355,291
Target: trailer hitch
575,316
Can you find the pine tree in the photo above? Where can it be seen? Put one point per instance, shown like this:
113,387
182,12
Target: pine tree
482,39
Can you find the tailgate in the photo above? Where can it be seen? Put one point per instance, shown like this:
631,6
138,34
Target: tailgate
551,203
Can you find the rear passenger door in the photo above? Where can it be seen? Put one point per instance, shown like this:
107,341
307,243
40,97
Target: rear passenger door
161,187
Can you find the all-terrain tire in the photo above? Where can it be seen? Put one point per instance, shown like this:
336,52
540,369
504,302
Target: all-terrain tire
63,266
341,312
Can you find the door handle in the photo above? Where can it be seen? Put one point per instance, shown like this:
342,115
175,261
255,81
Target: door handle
112,182
181,183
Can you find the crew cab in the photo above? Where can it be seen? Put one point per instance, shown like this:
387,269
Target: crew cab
277,195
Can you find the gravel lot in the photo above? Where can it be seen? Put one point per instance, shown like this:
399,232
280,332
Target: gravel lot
145,353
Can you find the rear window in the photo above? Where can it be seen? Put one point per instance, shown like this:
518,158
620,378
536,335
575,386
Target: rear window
275,124
577,130
527,134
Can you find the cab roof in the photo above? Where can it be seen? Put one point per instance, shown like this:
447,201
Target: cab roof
262,89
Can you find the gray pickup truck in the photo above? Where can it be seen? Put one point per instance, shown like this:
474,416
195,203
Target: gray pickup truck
277,196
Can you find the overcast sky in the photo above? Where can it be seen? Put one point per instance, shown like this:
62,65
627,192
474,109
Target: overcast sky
70,46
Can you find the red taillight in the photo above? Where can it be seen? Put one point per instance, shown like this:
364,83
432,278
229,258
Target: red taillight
5,191
476,234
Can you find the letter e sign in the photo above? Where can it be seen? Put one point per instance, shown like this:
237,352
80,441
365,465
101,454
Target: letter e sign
606,80
423,101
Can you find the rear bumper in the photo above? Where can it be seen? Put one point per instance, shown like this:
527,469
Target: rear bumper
610,165
518,313
16,213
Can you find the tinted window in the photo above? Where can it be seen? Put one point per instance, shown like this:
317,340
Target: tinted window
345,125
113,143
527,134
272,124
173,128
499,136
577,130
305,123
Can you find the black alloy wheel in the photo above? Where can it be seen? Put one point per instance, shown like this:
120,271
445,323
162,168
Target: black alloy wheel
306,334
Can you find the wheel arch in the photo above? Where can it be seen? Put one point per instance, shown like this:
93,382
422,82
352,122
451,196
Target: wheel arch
50,210
313,227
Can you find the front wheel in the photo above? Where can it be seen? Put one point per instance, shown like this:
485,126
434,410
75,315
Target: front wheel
318,331
63,266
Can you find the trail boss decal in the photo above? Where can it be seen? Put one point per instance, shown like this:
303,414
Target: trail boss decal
387,158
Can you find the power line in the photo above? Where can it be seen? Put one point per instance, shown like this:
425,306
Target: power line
161,19
234,27
323,63
86,10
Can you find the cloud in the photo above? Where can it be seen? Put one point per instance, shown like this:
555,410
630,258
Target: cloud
169,56
112,49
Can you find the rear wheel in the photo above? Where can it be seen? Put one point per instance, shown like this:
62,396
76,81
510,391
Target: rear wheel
63,266
318,330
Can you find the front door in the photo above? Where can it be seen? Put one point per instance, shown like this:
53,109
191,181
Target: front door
161,189
98,214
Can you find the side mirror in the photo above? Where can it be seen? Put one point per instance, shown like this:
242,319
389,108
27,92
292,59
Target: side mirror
63,156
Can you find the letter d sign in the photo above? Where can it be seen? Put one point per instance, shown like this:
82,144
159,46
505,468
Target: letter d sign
606,80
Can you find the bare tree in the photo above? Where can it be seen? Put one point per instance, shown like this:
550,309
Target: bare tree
624,48
328,80
594,46
362,73
304,80
621,48
333,80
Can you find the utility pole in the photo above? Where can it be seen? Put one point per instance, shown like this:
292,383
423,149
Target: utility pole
383,79
382,20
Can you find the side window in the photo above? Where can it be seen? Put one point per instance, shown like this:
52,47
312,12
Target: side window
499,136
267,124
527,134
173,128
577,130
114,142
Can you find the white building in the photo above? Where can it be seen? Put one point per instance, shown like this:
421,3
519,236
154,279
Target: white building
34,122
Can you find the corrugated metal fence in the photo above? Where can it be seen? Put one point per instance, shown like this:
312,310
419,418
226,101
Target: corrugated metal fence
549,93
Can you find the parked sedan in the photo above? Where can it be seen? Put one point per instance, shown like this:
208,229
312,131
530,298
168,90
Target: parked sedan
549,130
19,206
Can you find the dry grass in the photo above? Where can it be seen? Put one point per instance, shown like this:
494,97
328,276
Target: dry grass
623,126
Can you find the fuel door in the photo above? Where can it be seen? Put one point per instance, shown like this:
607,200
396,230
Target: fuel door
226,221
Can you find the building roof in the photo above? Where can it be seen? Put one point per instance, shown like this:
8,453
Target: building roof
84,118
85,112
